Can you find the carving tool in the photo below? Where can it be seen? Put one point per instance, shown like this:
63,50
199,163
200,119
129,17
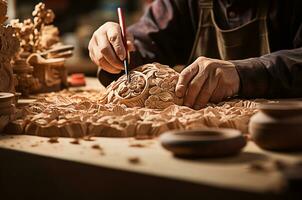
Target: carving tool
64,51
121,19
77,80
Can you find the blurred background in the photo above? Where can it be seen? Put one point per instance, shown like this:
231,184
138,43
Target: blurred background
77,20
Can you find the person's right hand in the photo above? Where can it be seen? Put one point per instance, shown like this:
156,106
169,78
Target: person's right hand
106,48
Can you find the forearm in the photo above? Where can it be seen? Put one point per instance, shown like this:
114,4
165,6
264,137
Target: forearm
276,75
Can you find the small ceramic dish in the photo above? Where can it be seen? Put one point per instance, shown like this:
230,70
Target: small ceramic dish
282,109
208,142
278,126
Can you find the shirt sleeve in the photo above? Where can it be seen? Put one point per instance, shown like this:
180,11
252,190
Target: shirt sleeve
276,75
164,34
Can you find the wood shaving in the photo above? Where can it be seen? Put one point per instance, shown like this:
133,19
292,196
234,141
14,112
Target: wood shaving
138,145
117,120
53,140
134,160
75,141
96,146
269,166
34,145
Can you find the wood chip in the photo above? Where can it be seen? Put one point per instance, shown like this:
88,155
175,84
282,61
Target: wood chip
96,146
34,145
75,141
138,145
134,160
53,140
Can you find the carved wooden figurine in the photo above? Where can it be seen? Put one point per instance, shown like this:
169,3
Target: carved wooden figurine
40,42
9,45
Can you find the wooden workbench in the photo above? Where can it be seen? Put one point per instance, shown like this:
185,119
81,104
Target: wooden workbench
32,167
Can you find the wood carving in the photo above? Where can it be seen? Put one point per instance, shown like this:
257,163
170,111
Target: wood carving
124,110
26,82
51,72
33,34
3,11
40,42
8,47
151,86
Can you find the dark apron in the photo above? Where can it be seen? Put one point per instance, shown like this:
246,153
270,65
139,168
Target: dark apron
246,41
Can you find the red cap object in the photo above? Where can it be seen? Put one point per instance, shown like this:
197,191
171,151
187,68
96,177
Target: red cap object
77,80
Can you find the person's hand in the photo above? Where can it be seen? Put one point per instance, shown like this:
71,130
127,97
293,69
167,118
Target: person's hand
106,48
207,80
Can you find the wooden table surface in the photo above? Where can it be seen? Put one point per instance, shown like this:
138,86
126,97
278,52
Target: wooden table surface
32,167
122,165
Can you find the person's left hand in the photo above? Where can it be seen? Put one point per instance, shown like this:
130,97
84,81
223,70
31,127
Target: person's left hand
207,80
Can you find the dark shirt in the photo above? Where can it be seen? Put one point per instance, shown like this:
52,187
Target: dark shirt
167,31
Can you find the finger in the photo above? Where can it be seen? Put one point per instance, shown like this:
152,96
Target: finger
99,59
194,88
114,36
93,58
205,93
184,79
130,43
107,67
218,95
108,53
219,92
130,46
91,45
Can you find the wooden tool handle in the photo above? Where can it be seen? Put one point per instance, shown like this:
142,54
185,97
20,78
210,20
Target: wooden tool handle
121,19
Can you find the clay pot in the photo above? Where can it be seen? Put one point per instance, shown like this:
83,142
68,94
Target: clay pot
206,142
278,126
